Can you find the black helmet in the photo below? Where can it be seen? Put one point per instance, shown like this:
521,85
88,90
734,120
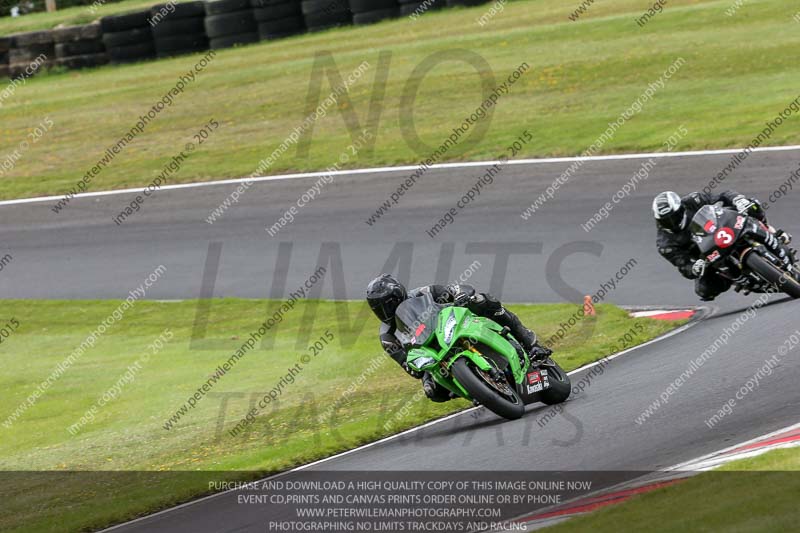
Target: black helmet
669,211
384,294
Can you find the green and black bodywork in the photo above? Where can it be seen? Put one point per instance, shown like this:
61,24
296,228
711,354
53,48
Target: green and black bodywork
475,358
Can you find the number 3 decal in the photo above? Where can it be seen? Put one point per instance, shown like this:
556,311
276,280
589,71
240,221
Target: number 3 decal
724,237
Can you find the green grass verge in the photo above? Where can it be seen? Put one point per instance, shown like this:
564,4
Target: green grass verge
582,76
128,434
756,494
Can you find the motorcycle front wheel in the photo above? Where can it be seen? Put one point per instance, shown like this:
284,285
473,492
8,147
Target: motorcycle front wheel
482,388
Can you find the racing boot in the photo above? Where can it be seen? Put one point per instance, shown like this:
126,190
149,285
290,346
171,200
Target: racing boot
489,306
526,337
434,391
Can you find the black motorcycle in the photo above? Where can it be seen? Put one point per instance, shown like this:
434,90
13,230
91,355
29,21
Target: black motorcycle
731,244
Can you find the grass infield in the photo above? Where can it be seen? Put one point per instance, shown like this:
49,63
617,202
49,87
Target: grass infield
582,75
127,432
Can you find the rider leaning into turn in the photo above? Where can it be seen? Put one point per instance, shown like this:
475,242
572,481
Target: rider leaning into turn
673,215
385,294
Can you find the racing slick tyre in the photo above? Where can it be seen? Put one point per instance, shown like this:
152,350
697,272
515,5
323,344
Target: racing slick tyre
774,275
560,384
508,404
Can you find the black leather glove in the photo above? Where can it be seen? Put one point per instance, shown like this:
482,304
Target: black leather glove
461,295
699,268
749,206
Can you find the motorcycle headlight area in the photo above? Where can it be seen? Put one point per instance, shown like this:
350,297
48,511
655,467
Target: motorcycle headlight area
450,327
422,363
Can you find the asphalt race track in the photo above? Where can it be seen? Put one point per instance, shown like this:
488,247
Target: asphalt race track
80,253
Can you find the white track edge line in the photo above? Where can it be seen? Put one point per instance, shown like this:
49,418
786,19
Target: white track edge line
701,463
392,437
466,164
723,451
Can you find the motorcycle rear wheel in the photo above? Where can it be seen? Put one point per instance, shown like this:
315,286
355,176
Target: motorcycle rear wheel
783,281
560,384
510,407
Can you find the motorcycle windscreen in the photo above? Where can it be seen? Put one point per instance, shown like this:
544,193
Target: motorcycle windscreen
416,319
705,222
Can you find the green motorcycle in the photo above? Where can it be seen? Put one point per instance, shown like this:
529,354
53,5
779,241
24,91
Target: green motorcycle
475,358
